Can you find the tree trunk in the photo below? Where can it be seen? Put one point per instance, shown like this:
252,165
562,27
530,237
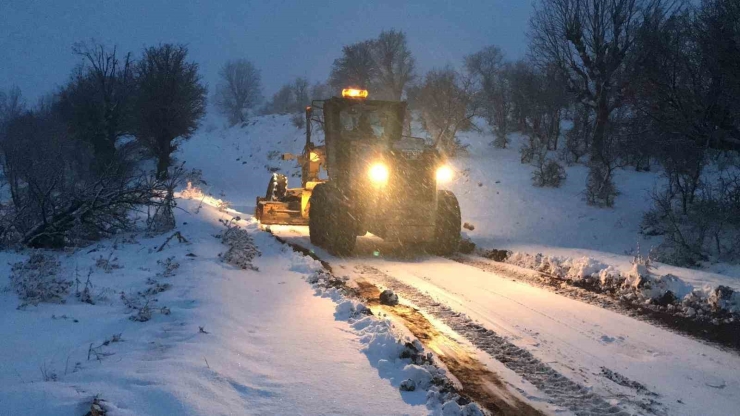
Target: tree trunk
164,158
602,118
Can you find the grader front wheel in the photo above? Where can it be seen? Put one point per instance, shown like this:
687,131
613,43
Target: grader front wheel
317,215
448,224
330,226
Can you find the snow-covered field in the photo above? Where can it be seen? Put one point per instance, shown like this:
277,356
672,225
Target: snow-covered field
230,341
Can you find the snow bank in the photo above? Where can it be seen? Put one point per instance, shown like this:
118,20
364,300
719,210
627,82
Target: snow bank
397,357
639,284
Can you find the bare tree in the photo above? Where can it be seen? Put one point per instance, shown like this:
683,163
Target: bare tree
487,69
282,102
683,100
239,90
687,89
320,91
292,97
394,62
96,102
446,104
56,199
301,91
170,101
355,68
591,43
522,100
11,104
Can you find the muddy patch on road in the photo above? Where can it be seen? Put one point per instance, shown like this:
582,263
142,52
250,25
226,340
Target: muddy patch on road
478,383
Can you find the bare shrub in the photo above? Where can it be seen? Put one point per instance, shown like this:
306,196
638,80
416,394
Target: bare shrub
708,228
143,314
643,260
98,353
548,173
242,250
533,150
37,279
501,140
163,218
169,267
85,295
578,136
527,152
600,188
298,120
47,372
107,264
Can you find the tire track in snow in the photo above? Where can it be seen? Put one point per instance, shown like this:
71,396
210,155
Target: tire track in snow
479,383
561,390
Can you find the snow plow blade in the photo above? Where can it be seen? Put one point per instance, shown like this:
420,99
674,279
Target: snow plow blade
278,213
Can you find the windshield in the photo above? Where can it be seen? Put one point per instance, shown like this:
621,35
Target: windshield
363,123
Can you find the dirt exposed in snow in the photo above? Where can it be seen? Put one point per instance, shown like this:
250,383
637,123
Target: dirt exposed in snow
478,383
724,333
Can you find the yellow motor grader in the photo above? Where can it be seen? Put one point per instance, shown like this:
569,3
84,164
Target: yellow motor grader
379,180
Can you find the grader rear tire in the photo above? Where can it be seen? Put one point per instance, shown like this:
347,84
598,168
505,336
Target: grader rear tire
448,224
277,187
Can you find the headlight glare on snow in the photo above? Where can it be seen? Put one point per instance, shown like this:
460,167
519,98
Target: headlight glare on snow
444,174
379,173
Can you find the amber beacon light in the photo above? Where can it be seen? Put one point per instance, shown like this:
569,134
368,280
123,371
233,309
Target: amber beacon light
354,93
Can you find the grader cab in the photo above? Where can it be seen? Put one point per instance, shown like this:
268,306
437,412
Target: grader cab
379,180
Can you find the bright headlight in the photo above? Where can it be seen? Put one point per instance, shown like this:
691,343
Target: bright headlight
379,173
444,174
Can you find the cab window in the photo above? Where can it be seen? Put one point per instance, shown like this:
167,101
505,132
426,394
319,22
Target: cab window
362,122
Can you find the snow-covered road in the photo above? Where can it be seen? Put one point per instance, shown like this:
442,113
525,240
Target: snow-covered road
624,361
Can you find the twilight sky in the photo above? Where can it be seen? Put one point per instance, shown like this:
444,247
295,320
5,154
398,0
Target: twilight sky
283,38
